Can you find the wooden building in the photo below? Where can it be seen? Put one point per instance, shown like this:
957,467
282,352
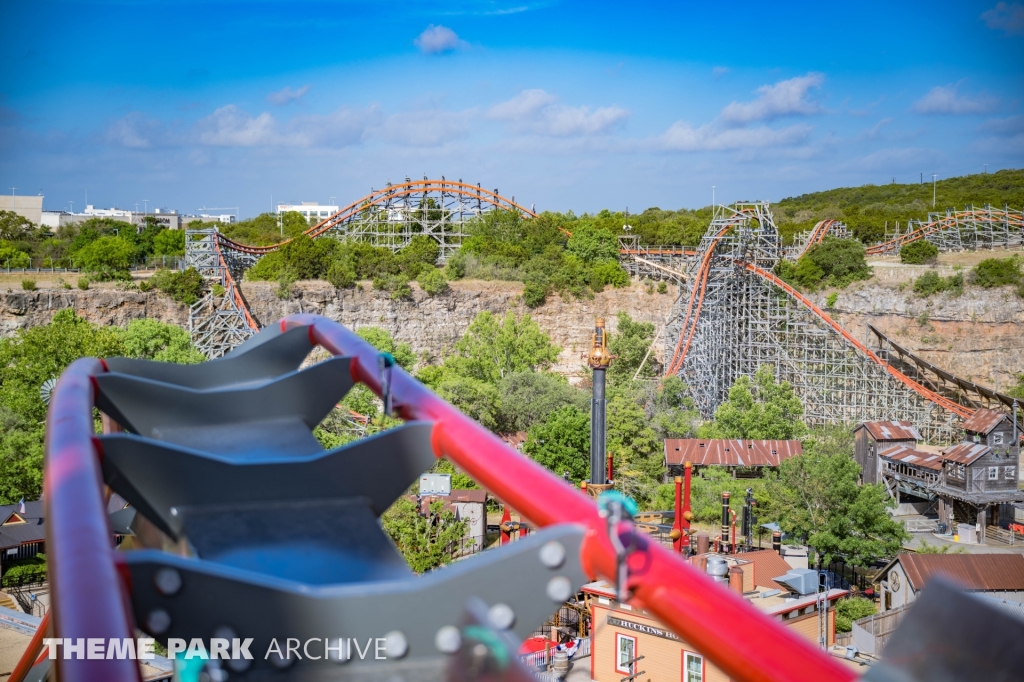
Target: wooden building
22,532
995,575
870,438
621,633
980,474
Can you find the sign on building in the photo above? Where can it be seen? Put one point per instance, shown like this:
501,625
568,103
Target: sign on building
436,484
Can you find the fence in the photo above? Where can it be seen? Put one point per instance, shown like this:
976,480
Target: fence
921,525
872,633
42,265
540,660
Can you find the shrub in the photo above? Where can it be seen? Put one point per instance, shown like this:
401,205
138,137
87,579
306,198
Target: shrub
28,284
432,281
456,266
83,283
285,284
10,257
535,293
931,283
397,285
183,286
919,252
831,299
849,610
662,288
807,273
26,571
997,272
341,274
607,272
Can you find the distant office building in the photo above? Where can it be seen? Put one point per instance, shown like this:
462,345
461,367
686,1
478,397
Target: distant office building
312,211
223,218
30,207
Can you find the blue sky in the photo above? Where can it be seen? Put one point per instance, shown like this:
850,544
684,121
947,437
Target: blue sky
566,105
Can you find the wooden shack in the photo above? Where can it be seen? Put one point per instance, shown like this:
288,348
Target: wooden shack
870,438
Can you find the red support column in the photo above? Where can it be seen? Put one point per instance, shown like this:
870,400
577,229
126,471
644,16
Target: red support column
687,514
506,521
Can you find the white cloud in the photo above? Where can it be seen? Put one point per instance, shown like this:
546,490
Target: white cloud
1014,125
286,95
874,131
438,39
946,99
683,137
1006,18
719,71
229,127
537,111
427,128
897,160
134,131
343,127
785,98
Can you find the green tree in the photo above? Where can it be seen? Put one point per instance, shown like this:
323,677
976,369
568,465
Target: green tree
169,243
14,227
432,281
592,243
636,449
155,340
11,257
673,414
562,442
527,398
919,252
106,257
493,347
629,344
382,340
185,286
478,399
427,541
758,409
816,496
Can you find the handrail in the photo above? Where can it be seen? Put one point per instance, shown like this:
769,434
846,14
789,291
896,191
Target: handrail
745,643
89,594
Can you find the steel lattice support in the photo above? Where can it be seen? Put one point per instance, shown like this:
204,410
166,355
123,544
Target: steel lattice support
746,321
968,230
218,321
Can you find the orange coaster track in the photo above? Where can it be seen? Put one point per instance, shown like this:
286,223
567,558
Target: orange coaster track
968,229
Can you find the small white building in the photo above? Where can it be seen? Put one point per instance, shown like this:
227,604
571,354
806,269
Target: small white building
995,575
310,210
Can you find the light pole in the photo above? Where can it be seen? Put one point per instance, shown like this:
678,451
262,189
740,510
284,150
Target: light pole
933,190
145,206
712,198
72,206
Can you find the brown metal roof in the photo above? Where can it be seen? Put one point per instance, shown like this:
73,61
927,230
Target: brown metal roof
965,453
901,453
892,430
726,452
767,565
972,571
983,421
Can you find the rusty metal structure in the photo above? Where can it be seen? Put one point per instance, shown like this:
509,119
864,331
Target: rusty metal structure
388,217
733,316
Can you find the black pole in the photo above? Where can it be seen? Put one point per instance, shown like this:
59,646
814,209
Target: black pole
598,434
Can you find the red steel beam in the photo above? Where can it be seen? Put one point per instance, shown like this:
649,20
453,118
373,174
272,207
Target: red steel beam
745,643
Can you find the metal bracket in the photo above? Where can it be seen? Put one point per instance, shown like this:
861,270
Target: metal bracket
522,584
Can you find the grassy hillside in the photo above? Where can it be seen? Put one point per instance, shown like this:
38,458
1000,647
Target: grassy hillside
867,209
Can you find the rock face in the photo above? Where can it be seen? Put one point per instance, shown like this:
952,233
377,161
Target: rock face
978,335
100,305
434,324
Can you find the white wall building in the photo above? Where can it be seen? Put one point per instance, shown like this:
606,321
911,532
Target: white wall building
310,210
30,207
